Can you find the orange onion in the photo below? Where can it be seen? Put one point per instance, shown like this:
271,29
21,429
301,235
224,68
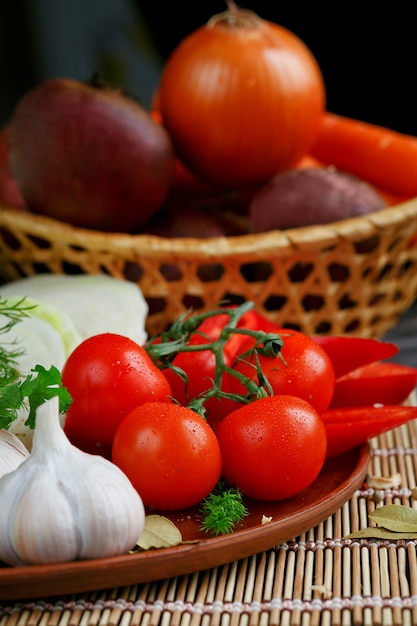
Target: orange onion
242,99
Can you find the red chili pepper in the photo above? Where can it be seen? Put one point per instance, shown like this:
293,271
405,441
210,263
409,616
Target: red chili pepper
375,383
349,427
348,353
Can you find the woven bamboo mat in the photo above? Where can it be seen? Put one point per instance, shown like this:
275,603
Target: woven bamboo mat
316,579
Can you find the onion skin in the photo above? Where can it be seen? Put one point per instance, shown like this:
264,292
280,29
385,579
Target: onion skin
90,156
242,99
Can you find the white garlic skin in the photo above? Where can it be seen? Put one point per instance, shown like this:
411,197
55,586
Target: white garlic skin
12,452
62,504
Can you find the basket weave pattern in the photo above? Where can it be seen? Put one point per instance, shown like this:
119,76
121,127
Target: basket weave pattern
356,276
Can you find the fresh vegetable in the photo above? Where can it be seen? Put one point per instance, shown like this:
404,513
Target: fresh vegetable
348,353
170,454
194,221
273,448
94,158
383,157
93,304
389,197
210,343
362,376
107,375
45,335
64,310
348,427
302,368
375,383
61,504
242,98
33,338
12,452
309,196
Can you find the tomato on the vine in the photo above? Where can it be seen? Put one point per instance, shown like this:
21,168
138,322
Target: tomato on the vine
107,376
302,369
169,453
272,448
200,366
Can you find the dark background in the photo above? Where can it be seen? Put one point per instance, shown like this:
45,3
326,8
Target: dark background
367,51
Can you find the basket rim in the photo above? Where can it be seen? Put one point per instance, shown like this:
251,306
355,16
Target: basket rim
309,237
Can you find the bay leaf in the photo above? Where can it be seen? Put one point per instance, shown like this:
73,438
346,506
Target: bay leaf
159,532
396,517
380,533
384,482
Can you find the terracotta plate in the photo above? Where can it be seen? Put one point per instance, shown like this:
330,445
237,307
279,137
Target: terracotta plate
336,483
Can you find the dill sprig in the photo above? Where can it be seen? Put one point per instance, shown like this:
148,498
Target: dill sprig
222,509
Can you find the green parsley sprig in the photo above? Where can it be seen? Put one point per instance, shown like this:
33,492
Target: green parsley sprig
35,388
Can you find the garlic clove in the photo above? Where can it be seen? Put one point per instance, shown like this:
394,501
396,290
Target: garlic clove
12,452
62,504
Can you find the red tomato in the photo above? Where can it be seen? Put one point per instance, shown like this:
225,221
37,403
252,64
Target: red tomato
200,366
169,453
272,448
107,376
375,383
303,369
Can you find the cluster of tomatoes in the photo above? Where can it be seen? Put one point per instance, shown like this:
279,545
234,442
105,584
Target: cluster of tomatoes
229,395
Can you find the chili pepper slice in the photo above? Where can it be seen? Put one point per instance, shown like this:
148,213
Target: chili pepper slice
348,353
349,427
375,383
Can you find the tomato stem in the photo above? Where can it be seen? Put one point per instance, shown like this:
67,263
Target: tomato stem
164,347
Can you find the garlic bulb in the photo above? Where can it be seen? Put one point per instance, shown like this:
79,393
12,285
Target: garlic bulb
12,452
62,504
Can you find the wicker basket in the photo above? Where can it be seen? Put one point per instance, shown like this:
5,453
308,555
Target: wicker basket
356,276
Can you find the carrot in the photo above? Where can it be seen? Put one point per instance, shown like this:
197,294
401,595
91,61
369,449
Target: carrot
308,161
390,197
381,156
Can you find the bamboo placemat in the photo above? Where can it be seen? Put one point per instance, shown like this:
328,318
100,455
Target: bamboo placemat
315,579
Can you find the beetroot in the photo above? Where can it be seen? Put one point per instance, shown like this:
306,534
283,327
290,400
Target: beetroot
10,195
305,197
194,221
89,155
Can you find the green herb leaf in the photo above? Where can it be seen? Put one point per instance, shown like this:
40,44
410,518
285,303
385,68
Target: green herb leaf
35,388
33,391
222,509
11,399
43,387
